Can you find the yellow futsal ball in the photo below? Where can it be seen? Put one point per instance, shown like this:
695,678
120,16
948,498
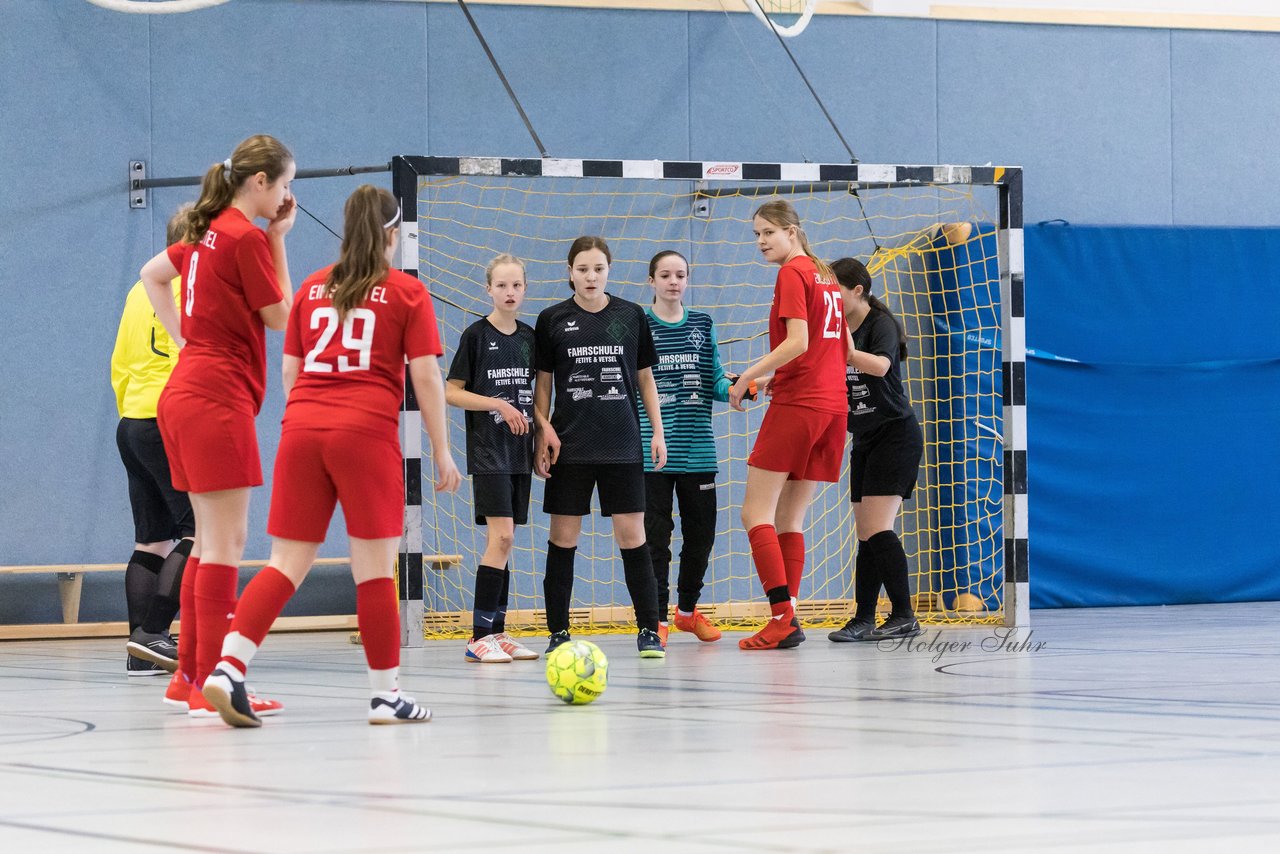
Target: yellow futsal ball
577,672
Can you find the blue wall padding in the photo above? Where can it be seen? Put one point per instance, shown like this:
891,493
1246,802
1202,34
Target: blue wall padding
1154,412
965,302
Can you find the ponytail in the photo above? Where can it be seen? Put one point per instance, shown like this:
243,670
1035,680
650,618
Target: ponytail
851,273
221,181
782,214
362,262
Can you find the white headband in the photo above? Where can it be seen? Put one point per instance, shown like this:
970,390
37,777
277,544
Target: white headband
392,222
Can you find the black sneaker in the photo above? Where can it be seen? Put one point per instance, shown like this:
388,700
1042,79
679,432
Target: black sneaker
896,627
650,645
397,709
558,638
854,630
156,648
134,666
797,637
229,696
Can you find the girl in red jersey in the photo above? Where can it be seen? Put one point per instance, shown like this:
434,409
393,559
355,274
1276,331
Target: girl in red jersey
801,440
235,282
351,329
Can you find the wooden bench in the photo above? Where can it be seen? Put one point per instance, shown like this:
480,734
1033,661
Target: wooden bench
71,581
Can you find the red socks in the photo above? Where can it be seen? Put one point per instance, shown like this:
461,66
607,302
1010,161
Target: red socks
378,615
767,555
187,604
263,600
215,596
792,545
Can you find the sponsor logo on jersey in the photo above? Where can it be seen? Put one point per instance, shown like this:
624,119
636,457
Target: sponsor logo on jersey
694,399
525,396
692,381
697,339
493,345
857,392
613,394
581,377
571,326
580,393
611,375
664,399
863,409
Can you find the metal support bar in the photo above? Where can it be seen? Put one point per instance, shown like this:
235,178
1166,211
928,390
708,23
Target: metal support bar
138,179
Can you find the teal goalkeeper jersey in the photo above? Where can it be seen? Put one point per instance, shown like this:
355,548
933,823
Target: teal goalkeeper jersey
689,377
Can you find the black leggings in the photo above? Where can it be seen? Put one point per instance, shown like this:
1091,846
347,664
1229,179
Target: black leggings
696,494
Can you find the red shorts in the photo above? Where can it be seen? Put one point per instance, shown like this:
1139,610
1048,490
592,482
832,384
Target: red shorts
316,469
805,443
210,446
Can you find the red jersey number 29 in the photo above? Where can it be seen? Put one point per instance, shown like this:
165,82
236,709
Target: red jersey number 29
831,327
361,345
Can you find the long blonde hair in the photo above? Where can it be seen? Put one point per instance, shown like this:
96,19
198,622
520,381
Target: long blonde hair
779,212
362,262
256,154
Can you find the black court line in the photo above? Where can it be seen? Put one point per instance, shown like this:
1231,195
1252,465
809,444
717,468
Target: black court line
132,840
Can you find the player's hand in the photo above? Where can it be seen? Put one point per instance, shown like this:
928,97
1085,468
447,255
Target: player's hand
740,390
448,478
658,453
283,220
765,387
513,417
751,386
546,449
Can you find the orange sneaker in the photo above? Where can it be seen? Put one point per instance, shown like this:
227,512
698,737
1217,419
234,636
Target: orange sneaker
698,626
663,631
776,634
178,691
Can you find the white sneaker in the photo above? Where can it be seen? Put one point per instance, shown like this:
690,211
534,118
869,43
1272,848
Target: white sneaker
486,650
395,708
514,648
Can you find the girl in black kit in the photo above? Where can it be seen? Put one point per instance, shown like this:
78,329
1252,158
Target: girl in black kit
598,351
492,379
884,457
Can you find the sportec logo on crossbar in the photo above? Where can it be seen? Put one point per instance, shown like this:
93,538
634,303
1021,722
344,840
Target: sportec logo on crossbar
724,169
1002,640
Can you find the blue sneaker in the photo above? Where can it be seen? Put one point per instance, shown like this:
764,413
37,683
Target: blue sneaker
650,645
558,638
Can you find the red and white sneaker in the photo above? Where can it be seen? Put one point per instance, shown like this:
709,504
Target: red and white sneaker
486,650
514,648
178,692
664,631
199,707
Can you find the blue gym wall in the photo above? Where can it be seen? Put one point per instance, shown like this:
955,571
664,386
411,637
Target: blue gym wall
1113,127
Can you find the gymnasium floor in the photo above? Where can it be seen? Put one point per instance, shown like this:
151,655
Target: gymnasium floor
1150,729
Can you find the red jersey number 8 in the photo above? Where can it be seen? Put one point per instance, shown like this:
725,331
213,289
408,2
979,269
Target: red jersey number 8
191,284
361,345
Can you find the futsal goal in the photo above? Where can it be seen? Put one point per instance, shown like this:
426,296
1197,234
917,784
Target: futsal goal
944,246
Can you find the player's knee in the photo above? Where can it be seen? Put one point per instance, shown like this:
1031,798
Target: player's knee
502,543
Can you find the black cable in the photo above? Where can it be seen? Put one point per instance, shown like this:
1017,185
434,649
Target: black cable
510,92
316,218
814,92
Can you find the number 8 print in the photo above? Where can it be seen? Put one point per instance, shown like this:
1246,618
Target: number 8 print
362,345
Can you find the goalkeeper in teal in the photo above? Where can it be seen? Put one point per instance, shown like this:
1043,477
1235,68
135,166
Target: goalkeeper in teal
689,378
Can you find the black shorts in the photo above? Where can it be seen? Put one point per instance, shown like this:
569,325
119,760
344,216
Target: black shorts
160,512
568,492
887,462
501,495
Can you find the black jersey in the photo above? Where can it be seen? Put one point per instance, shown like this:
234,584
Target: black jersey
494,364
594,358
876,401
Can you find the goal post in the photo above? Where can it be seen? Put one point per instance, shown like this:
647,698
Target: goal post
944,246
